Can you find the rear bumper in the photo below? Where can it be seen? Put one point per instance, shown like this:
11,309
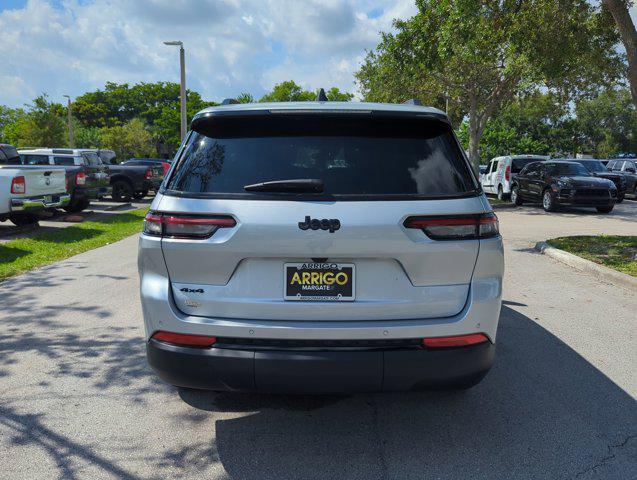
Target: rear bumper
42,202
92,193
319,371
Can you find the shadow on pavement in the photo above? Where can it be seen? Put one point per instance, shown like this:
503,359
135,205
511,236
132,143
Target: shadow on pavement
542,412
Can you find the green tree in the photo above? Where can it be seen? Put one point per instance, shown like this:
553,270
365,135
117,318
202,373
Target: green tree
157,104
288,91
335,95
86,137
129,140
245,97
607,124
478,55
40,126
8,117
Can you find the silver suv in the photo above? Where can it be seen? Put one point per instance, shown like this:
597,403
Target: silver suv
321,247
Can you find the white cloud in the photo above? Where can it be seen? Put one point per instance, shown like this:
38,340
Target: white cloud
231,45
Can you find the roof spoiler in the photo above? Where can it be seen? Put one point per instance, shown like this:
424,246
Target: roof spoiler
413,101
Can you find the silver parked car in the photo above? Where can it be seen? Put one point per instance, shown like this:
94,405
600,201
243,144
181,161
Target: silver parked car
321,247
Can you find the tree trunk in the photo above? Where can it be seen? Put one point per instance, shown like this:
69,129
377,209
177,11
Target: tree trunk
626,27
474,134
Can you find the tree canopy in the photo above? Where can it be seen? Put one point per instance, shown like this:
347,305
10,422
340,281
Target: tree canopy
478,55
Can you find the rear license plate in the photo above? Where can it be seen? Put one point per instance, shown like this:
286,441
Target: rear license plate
327,282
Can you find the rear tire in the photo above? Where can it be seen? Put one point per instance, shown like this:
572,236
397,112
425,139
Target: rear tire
22,220
548,202
605,209
122,191
515,196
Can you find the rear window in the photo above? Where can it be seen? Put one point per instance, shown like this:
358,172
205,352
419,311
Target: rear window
29,159
64,161
517,164
352,156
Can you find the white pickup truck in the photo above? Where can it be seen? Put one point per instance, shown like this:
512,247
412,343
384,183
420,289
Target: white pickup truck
25,191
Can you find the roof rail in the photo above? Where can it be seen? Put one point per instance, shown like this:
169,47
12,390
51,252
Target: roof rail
321,97
413,101
229,101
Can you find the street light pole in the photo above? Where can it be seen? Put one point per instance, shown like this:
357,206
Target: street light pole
69,119
182,87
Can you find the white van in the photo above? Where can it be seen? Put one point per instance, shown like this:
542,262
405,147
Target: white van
500,170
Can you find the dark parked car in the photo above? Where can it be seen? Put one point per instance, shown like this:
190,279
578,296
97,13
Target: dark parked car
628,168
165,164
134,181
597,169
87,177
563,182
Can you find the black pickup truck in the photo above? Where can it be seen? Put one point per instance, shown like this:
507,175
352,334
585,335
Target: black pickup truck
86,176
134,181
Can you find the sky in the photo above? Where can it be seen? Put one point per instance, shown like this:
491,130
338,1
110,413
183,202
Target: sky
232,46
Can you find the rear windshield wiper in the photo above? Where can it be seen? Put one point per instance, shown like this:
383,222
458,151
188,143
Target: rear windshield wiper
313,185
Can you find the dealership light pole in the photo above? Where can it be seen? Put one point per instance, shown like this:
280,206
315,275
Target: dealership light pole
182,90
70,119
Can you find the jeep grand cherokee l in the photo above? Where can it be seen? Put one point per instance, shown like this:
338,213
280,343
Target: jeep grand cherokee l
320,247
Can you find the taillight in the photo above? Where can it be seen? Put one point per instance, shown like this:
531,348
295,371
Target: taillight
18,185
185,340
66,183
166,167
507,173
177,226
80,178
456,341
458,227
148,174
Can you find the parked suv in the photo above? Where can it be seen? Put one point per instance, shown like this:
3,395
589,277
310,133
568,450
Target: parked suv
563,183
321,247
627,168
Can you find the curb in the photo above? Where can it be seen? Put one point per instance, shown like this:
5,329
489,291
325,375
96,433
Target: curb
603,273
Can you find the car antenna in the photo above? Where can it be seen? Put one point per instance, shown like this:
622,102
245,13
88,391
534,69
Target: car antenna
413,101
321,97
230,101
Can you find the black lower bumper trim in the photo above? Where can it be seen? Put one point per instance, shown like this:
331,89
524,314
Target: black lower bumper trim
319,372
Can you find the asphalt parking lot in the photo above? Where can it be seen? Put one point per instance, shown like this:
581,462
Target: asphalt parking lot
77,399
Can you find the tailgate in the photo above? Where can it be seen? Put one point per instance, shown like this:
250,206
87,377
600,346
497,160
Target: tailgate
44,181
399,273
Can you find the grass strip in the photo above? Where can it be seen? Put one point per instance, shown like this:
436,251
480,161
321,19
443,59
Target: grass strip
614,251
23,254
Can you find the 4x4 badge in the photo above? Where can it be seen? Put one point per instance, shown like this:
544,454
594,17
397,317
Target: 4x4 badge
332,224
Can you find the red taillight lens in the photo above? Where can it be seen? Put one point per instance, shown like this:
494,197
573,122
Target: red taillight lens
507,173
185,340
457,341
185,226
166,167
459,227
80,178
18,185
149,174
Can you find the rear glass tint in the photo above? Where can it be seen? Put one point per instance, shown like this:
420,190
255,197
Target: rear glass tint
352,156
64,161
